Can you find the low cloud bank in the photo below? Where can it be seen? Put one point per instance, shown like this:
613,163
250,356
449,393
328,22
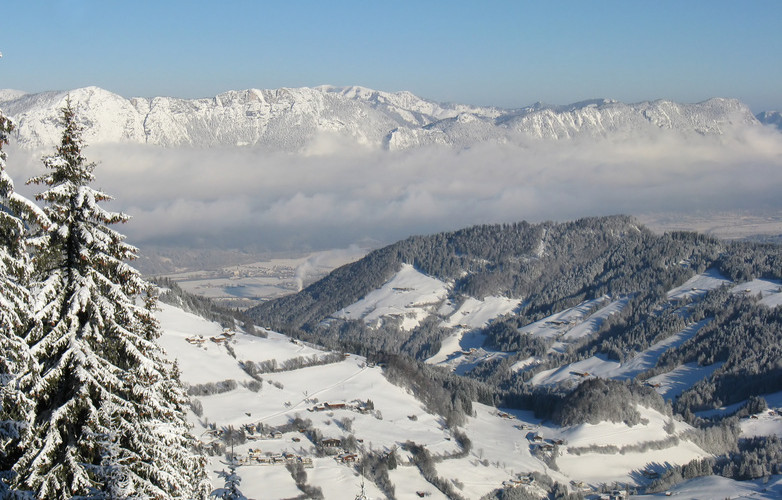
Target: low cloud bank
335,195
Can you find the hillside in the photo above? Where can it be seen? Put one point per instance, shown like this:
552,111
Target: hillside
521,306
300,415
298,119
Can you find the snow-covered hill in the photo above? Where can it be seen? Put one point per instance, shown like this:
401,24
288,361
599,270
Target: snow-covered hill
505,446
301,119
410,297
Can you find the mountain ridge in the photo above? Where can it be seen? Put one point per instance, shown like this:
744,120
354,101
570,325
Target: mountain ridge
603,291
291,119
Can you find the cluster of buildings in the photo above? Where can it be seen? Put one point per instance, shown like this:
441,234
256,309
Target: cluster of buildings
256,457
356,405
199,340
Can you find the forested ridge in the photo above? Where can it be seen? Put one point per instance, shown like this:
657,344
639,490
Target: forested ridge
552,267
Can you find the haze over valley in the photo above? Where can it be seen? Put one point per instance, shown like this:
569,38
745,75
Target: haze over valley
312,169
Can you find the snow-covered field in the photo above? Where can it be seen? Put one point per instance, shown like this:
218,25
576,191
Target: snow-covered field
598,366
410,296
717,487
501,446
698,285
503,442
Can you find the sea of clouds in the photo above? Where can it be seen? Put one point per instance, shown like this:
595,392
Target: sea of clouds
335,194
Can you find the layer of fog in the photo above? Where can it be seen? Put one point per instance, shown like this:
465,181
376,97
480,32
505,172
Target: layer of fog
338,194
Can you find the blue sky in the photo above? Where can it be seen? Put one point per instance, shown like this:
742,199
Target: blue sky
503,53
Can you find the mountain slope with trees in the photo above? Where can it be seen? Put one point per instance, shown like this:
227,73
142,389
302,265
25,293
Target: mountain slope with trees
552,267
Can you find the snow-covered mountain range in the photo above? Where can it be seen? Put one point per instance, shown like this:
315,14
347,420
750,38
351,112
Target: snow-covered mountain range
291,119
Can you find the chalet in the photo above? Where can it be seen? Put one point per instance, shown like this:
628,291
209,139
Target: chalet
346,458
521,481
228,333
331,443
650,474
336,406
537,438
546,447
558,442
502,414
218,340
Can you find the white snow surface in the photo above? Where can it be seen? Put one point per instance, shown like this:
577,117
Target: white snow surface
599,366
595,468
698,285
717,487
410,296
475,313
501,449
681,378
766,423
575,322
769,291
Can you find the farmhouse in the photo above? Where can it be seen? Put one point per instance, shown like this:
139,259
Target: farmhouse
346,458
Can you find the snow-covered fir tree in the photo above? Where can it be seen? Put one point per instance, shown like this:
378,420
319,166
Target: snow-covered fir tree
17,369
108,408
230,491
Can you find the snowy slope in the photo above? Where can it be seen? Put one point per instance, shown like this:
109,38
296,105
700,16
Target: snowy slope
409,296
597,467
719,487
598,366
698,285
501,448
294,119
